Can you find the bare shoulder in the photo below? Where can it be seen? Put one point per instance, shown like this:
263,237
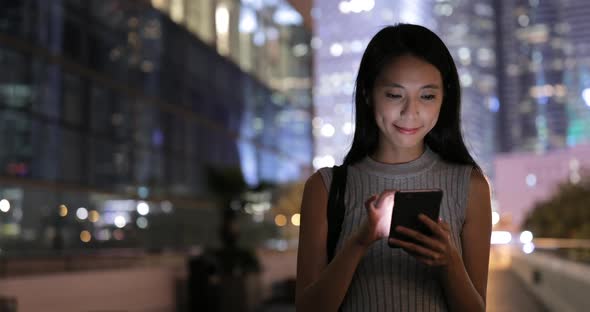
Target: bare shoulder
314,202
315,194
315,183
479,186
479,205
311,255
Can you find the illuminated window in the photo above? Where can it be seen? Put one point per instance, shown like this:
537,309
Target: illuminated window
336,49
523,20
177,10
531,180
356,6
222,28
199,20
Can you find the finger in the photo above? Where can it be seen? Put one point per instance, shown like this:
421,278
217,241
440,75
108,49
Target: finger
418,256
424,239
415,249
429,260
425,260
435,227
446,226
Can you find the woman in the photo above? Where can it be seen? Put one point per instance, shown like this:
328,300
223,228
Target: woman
407,136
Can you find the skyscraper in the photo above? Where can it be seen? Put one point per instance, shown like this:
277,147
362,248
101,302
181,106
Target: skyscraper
469,31
113,110
544,87
545,77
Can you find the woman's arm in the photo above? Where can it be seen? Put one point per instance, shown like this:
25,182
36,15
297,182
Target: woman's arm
465,280
321,286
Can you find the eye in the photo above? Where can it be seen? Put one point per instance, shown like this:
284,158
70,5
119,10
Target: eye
393,95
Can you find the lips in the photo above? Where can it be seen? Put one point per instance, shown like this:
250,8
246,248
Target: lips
405,130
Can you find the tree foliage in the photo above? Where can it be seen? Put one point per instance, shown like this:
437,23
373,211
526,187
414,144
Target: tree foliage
564,215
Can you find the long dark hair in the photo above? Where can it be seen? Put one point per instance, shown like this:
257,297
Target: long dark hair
445,138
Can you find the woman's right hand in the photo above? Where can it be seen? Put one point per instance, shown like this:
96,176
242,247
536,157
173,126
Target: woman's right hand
378,219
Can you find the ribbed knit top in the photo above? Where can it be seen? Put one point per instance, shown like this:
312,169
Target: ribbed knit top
388,279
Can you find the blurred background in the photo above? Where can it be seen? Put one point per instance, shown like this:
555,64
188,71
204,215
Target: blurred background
153,153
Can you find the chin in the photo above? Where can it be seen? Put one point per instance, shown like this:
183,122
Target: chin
407,140
407,144
402,141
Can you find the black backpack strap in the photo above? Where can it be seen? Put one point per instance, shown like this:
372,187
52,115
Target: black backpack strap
335,210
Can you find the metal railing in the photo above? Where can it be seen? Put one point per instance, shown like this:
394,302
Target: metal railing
96,260
577,250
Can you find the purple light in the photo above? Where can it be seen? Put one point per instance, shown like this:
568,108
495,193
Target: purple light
157,137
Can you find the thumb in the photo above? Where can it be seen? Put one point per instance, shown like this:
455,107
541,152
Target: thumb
386,198
370,202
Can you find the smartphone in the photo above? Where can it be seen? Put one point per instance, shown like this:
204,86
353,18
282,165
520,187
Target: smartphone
408,205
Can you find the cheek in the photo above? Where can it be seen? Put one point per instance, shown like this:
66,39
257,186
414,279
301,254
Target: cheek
378,112
385,111
380,118
432,117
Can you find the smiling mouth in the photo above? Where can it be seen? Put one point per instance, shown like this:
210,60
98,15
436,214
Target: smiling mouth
407,130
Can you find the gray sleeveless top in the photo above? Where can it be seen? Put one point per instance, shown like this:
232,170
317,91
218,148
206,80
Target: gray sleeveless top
388,279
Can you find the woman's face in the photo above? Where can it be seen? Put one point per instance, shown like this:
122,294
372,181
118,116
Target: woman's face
407,97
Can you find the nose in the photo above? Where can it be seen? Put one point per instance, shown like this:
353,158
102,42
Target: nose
411,108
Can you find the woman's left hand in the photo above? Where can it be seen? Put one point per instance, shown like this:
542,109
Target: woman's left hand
436,250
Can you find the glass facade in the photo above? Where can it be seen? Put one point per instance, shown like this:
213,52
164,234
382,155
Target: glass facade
468,29
112,106
546,65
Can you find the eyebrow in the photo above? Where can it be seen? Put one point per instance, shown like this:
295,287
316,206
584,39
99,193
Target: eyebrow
395,85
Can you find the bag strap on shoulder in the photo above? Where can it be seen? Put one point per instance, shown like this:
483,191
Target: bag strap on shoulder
335,209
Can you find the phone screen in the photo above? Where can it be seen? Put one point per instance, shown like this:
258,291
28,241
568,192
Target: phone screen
408,205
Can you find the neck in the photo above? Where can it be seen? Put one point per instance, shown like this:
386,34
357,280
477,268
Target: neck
396,155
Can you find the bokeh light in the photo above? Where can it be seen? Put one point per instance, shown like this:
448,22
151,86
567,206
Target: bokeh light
82,213
4,205
93,216
280,220
63,210
85,236
120,222
296,219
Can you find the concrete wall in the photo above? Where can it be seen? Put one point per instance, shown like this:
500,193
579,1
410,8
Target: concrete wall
139,289
515,197
142,283
561,285
276,266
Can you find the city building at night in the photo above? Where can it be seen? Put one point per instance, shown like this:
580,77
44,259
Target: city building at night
544,81
544,91
468,29
112,111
